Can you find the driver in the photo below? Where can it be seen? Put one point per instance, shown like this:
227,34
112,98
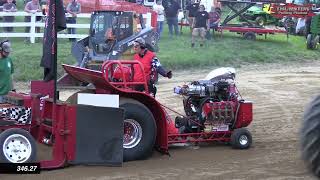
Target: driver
151,65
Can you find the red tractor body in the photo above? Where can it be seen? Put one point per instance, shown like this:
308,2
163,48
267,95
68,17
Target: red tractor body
65,125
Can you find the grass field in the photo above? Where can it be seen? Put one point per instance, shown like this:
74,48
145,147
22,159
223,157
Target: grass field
230,49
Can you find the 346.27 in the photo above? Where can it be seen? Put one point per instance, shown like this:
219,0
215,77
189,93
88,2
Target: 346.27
26,168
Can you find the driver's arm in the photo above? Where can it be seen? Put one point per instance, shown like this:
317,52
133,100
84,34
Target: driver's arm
156,64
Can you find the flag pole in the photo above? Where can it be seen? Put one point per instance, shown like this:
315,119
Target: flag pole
55,56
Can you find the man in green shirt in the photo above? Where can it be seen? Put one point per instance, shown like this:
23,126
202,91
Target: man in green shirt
6,70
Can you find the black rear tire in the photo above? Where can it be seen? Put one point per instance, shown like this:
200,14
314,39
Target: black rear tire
239,137
141,114
310,136
23,135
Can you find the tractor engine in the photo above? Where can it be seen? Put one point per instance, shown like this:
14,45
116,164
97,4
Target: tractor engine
210,104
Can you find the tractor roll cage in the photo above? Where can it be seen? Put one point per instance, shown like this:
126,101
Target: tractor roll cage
108,68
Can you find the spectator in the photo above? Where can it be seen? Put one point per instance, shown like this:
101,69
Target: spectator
74,8
136,23
192,8
171,9
44,7
159,9
32,7
9,7
214,17
2,2
6,69
200,25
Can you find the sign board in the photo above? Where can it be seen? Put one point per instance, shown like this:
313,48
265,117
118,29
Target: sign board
292,10
103,100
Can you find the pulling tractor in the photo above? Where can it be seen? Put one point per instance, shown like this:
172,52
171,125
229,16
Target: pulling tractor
84,130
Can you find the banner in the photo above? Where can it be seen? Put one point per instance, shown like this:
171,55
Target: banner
292,10
55,22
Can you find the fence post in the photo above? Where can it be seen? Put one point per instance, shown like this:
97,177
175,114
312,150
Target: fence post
33,28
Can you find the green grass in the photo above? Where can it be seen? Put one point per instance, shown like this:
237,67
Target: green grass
230,49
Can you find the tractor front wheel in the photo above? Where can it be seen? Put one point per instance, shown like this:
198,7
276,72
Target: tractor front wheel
139,130
241,139
310,136
17,146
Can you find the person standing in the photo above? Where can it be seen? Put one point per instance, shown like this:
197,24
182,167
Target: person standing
151,65
192,8
159,9
171,9
9,7
32,7
6,70
214,18
73,8
200,25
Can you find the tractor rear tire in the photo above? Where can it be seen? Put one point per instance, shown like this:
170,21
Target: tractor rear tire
250,36
138,115
310,136
241,139
17,146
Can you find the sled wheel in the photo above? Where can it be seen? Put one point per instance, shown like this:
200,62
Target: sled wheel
249,36
260,21
241,139
310,41
17,146
139,130
310,136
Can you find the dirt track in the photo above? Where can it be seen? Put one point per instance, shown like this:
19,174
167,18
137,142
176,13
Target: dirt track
279,93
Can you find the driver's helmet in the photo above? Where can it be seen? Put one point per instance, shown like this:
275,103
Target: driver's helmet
141,42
